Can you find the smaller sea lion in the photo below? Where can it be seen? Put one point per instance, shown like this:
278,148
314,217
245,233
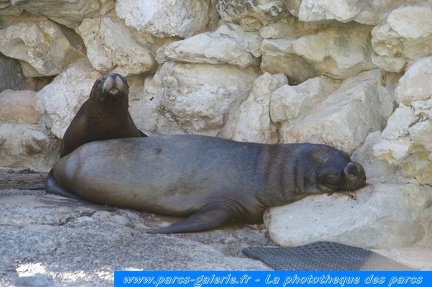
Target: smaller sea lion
208,180
104,115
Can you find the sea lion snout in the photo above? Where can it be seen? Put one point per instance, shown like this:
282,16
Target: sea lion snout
113,91
341,174
112,86
355,176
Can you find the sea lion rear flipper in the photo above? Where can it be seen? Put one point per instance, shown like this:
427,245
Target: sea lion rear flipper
52,186
209,217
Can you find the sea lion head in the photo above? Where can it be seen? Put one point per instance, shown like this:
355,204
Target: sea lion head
335,171
110,87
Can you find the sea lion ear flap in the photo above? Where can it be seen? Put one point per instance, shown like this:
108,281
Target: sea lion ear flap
354,169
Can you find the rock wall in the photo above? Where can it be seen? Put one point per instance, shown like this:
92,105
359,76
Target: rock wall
357,76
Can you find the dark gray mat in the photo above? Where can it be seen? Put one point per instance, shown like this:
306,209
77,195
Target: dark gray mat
322,255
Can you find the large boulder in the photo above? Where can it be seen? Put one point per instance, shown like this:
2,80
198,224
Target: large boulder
370,12
344,118
338,52
7,9
191,98
105,40
377,169
406,138
403,38
252,15
40,45
66,12
20,106
250,119
379,216
165,18
288,102
227,45
26,145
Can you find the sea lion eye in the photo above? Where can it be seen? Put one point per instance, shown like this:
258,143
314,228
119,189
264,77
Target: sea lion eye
329,179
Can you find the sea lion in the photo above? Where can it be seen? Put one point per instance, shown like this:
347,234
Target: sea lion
104,115
208,180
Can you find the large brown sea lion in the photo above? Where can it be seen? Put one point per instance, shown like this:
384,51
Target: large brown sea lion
205,179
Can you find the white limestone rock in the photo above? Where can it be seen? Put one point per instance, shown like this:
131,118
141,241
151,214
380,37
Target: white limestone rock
399,123
190,98
111,47
40,45
403,38
369,12
165,18
278,57
288,102
394,152
20,106
69,13
277,30
26,145
66,93
416,84
380,216
252,15
144,97
291,28
345,117
375,168
249,121
406,138
227,45
339,52
7,9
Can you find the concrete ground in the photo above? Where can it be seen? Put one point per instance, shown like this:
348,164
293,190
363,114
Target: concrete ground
48,240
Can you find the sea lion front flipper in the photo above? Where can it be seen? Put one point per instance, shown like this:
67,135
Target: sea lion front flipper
52,186
209,217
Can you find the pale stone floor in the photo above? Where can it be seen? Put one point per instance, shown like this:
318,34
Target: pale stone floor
418,256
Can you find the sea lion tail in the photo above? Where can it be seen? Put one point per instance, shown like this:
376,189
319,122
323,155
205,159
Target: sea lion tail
52,186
